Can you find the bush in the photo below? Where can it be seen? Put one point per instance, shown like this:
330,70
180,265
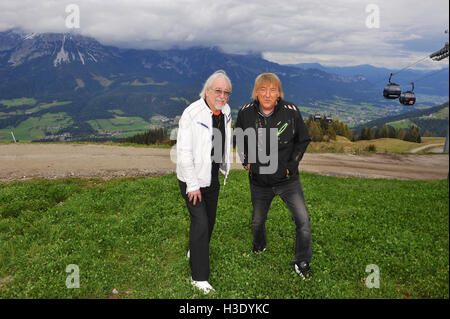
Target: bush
371,148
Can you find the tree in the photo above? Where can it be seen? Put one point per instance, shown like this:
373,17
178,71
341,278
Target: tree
378,133
428,134
155,136
392,132
331,133
351,136
413,135
401,134
384,131
367,133
371,134
315,132
363,135
323,124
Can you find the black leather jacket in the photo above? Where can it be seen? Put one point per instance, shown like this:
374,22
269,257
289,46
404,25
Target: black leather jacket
292,136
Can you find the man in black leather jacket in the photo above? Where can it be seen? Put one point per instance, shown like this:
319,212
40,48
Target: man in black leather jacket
271,140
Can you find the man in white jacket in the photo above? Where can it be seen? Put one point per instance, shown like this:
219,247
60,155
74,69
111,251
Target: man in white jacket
203,149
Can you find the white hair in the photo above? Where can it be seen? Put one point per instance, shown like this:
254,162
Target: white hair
211,79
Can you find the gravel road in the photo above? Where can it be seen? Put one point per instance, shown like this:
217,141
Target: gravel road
26,161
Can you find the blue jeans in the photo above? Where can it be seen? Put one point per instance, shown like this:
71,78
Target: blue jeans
292,195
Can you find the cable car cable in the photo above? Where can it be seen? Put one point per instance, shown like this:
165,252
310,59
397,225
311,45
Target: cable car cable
401,70
430,74
411,65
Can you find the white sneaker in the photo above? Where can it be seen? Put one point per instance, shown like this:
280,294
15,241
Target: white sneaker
204,286
188,256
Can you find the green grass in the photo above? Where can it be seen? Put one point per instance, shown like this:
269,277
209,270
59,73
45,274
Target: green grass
20,107
406,124
132,235
18,102
441,115
382,145
127,126
44,106
36,127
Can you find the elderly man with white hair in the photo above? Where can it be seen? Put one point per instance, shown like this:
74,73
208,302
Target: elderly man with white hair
203,149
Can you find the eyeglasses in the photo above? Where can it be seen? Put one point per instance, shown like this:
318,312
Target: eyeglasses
219,92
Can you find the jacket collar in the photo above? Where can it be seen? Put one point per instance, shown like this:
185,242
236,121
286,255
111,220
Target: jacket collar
225,110
275,110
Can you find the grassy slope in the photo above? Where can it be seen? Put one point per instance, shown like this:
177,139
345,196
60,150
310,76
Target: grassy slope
36,127
132,235
129,126
383,145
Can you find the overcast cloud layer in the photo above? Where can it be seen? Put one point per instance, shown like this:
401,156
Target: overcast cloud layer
331,32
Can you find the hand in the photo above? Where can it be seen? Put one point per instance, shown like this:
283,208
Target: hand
194,196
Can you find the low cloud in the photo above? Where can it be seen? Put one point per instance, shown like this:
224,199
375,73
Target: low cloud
286,31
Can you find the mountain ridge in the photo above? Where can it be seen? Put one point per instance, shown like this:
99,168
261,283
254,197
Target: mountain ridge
434,120
433,82
87,83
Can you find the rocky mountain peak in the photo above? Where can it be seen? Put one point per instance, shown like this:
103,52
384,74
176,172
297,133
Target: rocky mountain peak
20,47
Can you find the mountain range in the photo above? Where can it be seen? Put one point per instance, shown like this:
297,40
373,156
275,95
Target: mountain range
71,85
429,82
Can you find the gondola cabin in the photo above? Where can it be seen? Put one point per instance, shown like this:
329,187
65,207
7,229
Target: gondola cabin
392,90
408,97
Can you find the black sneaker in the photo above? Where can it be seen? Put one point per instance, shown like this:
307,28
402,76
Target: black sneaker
258,249
302,268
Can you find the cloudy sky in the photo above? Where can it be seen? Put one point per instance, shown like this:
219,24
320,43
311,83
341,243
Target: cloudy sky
385,33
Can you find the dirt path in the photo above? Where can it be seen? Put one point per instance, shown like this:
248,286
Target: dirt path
25,161
426,147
